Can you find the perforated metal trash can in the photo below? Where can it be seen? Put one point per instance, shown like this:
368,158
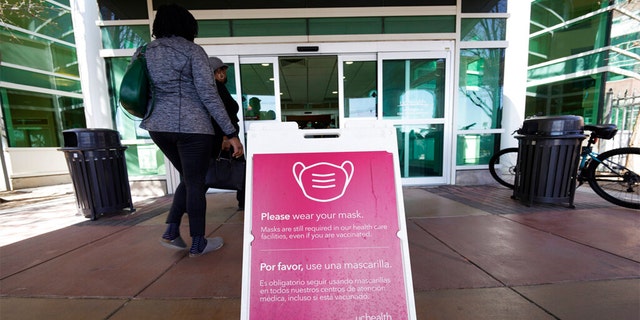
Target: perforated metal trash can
97,166
548,157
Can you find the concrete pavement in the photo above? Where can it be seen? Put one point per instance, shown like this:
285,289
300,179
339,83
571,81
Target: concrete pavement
475,254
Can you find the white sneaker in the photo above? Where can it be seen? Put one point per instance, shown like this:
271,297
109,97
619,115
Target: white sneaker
213,244
176,243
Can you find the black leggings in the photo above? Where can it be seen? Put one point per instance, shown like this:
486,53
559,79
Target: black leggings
189,153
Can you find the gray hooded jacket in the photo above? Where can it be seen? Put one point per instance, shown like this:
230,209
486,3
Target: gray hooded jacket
185,94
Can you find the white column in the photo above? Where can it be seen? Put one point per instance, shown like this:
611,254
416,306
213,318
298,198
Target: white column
92,68
515,70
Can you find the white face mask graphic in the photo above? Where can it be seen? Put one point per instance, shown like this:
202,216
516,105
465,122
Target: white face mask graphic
323,181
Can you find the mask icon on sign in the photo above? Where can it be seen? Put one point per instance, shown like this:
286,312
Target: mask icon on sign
323,181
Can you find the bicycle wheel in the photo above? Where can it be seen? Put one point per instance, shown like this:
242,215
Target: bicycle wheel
615,176
502,166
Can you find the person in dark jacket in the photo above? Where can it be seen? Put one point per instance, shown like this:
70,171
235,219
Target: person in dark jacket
230,104
185,98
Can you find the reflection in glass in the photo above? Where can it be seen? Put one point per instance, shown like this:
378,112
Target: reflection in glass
575,38
142,158
231,80
420,150
476,149
483,29
563,67
25,50
30,78
546,13
124,37
360,96
122,9
483,6
428,24
258,98
37,119
569,97
480,92
42,17
413,89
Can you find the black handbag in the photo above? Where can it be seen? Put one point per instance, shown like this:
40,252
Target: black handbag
226,172
135,88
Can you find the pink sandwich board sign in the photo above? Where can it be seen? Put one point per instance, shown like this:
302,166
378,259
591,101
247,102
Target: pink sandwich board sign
325,234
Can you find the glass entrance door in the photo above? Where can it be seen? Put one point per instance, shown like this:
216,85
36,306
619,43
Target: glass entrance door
414,91
258,87
410,90
309,90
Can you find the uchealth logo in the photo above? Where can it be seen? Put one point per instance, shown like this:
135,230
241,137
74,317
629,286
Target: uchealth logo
323,181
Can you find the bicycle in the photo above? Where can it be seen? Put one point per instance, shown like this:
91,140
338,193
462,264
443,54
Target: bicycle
614,174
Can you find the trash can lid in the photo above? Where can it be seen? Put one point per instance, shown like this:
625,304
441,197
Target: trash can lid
552,126
94,138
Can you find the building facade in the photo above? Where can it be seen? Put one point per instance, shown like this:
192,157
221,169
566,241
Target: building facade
449,75
584,59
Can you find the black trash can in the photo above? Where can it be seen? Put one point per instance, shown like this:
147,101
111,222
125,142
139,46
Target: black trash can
548,158
98,169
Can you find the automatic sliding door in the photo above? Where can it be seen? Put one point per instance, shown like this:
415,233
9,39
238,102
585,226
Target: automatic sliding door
358,88
259,85
309,90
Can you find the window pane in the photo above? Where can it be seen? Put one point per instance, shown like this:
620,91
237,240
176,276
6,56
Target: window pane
547,13
413,89
143,159
261,4
583,63
40,80
360,96
269,27
484,6
258,93
326,26
127,125
625,30
420,150
483,29
576,38
570,97
624,114
231,80
323,26
64,59
71,112
231,84
122,9
214,28
125,37
480,92
309,90
26,50
37,120
431,24
476,149
624,62
41,17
